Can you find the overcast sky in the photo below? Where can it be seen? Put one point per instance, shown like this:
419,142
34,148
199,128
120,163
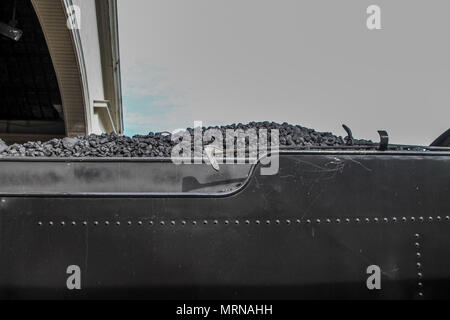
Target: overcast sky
307,62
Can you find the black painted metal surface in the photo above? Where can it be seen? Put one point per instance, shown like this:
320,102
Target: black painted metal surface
309,232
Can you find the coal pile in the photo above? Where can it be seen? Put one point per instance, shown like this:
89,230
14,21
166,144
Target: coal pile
161,144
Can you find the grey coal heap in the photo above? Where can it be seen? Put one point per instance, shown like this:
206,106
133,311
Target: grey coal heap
160,145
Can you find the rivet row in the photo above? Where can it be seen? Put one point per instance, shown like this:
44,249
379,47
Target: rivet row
419,266
357,220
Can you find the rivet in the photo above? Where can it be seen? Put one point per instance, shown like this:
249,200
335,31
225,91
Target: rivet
288,221
394,219
417,245
85,223
328,221
357,220
107,223
417,236
118,223
418,255
298,221
172,222
420,284
40,223
438,218
129,223
447,218
205,222
277,221
308,221
413,219
318,221
162,223
386,220
367,220
430,219
63,223
258,222
375,219
420,294
150,222
50,223
183,223
95,223
227,222
338,221
140,223
421,219
74,223
404,219
419,274
268,222
216,221
347,220
419,265
194,223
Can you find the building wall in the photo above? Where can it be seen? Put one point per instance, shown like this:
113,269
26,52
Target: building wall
91,51
78,55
